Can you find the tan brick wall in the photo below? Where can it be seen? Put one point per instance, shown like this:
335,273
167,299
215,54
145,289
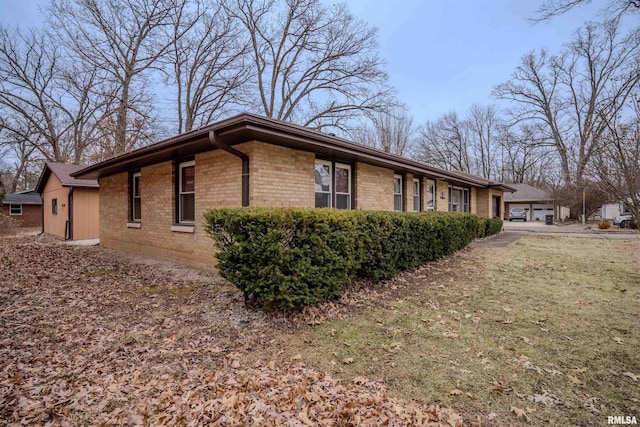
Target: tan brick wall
374,188
485,200
474,201
280,176
442,187
218,176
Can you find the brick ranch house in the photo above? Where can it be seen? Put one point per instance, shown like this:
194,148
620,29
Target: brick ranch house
25,207
152,200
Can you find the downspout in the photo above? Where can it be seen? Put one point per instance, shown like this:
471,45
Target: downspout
42,213
70,214
245,165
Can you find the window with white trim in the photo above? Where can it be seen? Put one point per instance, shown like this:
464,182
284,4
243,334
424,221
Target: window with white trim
187,192
15,209
416,194
136,199
431,195
323,182
458,199
397,193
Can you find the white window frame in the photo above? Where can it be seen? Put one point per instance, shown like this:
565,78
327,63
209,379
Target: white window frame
432,183
134,197
416,194
11,212
347,167
395,176
465,199
331,184
181,166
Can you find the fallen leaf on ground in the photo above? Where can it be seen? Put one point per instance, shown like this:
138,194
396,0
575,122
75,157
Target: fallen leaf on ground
574,380
521,414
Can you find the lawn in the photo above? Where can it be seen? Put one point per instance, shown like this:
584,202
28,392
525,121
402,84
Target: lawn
543,331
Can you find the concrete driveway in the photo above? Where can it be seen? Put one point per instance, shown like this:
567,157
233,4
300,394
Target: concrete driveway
570,230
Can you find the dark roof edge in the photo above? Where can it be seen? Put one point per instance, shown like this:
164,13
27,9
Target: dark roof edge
246,121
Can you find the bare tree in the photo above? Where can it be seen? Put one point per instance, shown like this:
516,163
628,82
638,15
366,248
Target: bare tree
314,65
484,126
617,166
612,9
48,107
122,38
446,144
392,132
571,94
525,157
207,63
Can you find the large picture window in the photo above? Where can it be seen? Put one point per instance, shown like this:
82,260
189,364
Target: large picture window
186,192
416,195
332,185
458,199
431,195
136,198
397,193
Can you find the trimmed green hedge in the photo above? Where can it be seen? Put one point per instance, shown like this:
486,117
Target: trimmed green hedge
289,258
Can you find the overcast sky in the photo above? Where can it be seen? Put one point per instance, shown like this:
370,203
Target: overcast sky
442,55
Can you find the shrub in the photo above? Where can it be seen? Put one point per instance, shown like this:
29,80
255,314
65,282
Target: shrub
288,258
604,225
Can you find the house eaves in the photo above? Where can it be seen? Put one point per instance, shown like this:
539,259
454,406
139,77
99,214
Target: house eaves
248,127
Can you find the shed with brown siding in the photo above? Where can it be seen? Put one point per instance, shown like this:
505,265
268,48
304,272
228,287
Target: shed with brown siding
152,200
71,206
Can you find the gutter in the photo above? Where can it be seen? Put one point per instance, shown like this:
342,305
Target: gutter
245,164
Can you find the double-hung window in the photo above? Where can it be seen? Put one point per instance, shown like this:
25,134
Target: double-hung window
136,199
431,195
458,199
15,209
323,181
186,192
397,193
416,194
332,185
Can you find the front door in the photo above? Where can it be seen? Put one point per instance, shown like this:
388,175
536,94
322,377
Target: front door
496,207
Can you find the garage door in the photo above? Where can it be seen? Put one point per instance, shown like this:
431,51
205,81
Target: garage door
541,211
526,207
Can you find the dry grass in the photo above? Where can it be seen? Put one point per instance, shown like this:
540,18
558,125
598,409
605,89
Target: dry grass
544,331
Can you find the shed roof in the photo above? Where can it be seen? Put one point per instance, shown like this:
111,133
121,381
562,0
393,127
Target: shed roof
527,193
63,172
248,127
29,197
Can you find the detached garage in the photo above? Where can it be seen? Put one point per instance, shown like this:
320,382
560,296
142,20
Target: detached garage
536,202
